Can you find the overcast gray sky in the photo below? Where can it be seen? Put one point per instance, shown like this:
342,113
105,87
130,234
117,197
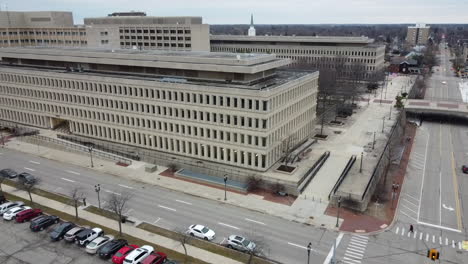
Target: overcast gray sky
266,11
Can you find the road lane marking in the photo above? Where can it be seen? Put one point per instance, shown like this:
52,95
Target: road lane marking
361,236
222,241
412,197
453,243
459,245
253,221
433,239
409,234
184,202
331,252
446,241
29,169
362,244
354,260
356,248
34,162
362,239
424,174
125,186
228,225
415,232
402,231
73,172
427,237
440,194
440,240
405,200
129,210
420,236
109,191
68,180
438,226
299,246
157,220
354,254
167,208
397,229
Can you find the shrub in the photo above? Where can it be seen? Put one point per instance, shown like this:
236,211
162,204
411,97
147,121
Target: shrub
254,183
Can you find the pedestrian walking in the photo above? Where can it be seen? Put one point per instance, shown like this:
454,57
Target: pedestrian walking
84,201
411,228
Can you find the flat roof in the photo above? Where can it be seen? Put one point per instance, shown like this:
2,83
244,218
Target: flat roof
203,61
143,20
312,39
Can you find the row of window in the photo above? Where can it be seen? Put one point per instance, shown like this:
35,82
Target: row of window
157,38
144,93
41,33
173,145
152,44
154,31
338,52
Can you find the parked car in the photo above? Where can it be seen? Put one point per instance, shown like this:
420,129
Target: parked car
41,223
465,169
111,248
27,215
84,237
201,232
59,232
71,234
8,205
119,257
155,258
11,214
240,243
138,255
8,173
2,198
26,178
97,243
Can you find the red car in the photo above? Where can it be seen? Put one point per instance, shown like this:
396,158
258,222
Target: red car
119,257
27,215
465,169
155,258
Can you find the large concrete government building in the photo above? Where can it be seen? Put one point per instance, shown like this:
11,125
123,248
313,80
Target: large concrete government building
323,50
233,110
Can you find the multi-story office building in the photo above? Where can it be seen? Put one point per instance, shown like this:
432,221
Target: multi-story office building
312,50
233,110
20,29
418,34
146,32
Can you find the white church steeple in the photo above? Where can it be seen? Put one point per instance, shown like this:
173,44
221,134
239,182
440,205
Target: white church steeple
251,32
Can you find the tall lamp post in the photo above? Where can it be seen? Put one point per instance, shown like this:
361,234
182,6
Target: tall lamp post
309,247
225,182
90,149
97,188
338,213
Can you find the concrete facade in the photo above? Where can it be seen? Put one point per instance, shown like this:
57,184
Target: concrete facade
418,35
235,110
142,32
323,50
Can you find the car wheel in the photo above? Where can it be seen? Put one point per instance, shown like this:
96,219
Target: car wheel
56,221
192,234
205,238
42,228
229,246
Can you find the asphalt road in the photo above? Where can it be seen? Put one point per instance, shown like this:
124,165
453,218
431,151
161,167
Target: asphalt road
286,240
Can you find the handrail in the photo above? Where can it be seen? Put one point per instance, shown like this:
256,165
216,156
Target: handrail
310,174
344,173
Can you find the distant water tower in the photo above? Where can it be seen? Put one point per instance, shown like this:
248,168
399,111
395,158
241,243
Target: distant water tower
251,32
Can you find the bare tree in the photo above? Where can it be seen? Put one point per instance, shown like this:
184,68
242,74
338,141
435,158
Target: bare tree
118,204
391,154
76,195
28,186
184,238
261,247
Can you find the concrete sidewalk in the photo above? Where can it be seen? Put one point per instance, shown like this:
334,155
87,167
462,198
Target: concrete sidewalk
131,230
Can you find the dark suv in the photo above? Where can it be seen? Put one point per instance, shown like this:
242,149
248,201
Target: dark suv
26,178
8,173
59,232
41,223
111,248
2,198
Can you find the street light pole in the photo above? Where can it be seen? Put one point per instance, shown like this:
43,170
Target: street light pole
309,247
373,142
383,124
90,149
225,182
390,116
97,188
338,213
362,157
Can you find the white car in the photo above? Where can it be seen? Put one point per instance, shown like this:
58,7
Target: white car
138,255
201,232
11,214
94,245
240,243
444,82
7,206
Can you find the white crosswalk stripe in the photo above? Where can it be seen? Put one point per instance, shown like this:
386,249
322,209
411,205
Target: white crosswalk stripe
356,249
400,231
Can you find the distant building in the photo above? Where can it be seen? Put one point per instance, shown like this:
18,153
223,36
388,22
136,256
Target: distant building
404,65
251,32
148,32
48,28
227,110
323,50
465,52
418,35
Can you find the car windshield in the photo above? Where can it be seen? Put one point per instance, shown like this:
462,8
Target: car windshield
92,244
205,230
246,243
61,228
118,254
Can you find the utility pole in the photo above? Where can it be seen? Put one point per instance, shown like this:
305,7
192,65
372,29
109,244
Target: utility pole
390,116
373,142
97,188
225,182
90,149
383,124
338,213
362,157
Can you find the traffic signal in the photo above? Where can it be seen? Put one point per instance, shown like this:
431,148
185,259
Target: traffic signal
433,254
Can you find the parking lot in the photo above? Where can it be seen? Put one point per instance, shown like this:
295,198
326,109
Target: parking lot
19,245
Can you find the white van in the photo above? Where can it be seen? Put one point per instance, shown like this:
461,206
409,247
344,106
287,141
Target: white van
7,206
